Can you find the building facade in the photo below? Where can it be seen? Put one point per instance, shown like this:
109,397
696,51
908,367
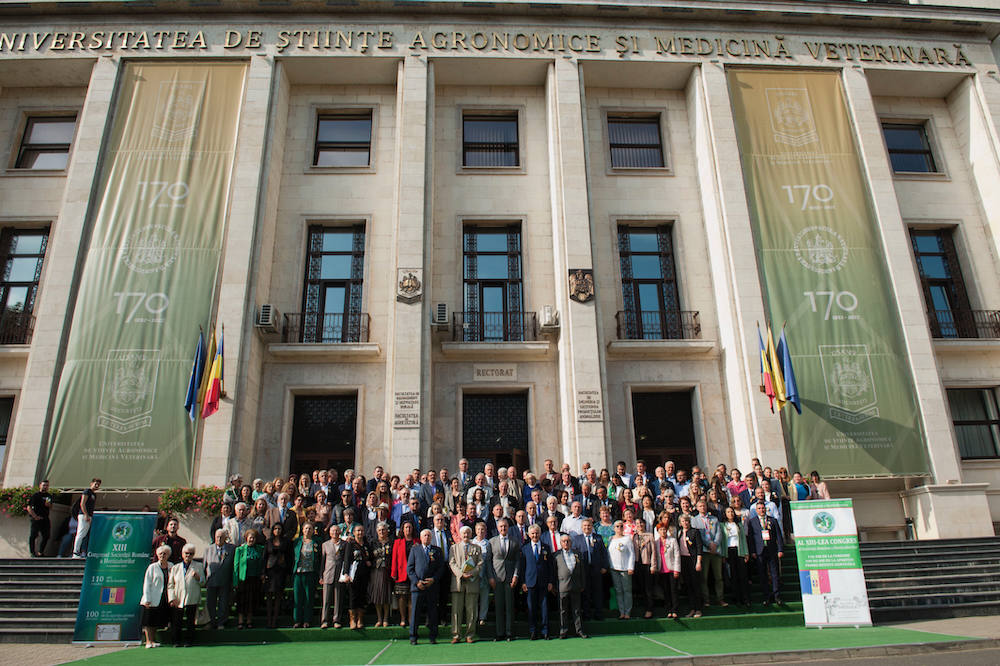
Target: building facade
518,232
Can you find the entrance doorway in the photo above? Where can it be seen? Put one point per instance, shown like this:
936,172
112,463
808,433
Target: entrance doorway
664,429
495,430
324,433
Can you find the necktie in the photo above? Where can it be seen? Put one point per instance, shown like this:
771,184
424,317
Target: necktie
536,552
427,552
590,546
555,545
504,546
282,515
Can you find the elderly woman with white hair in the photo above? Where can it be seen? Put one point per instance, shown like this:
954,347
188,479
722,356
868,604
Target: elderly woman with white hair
155,607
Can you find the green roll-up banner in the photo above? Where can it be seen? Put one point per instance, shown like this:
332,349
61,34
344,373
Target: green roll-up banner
149,279
118,554
822,269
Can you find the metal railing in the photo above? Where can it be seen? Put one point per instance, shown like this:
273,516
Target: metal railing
982,324
325,328
658,325
16,328
494,326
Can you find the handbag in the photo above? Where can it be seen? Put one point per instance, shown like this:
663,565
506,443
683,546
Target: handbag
202,617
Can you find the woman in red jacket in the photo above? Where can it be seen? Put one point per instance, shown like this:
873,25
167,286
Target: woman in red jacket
401,583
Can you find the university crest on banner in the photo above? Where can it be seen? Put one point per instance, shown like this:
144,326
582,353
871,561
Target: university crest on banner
850,386
178,110
129,389
791,116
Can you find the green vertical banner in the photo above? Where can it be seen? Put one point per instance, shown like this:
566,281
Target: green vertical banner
822,270
149,279
117,558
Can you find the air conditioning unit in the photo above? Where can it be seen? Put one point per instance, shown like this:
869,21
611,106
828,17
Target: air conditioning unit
439,318
550,319
268,319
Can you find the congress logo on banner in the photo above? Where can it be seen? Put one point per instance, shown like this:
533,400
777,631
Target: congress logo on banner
129,389
791,116
178,110
850,387
821,249
122,531
151,248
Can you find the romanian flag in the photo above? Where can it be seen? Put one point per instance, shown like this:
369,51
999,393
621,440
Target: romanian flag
815,582
791,386
206,374
214,391
777,380
112,595
197,369
765,370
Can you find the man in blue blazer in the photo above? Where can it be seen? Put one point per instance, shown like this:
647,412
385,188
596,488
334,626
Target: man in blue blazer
424,568
766,545
594,556
537,573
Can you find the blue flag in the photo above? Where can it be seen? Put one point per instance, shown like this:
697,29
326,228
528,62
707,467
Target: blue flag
791,387
191,400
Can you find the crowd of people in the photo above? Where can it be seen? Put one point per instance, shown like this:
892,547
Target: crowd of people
583,544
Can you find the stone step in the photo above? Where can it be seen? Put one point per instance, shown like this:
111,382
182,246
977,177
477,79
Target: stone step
908,580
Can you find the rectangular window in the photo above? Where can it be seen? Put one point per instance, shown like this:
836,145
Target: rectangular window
6,411
909,149
343,140
333,293
649,287
977,422
324,433
635,143
46,142
948,308
664,429
492,272
490,141
22,253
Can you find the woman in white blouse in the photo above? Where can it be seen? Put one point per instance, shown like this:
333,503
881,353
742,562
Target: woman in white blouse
621,552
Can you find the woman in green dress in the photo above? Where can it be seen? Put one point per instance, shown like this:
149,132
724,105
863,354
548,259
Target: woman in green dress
248,578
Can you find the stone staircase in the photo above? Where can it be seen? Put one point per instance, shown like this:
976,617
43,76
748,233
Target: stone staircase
923,580
39,598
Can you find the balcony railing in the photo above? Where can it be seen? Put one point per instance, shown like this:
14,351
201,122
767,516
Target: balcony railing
982,324
494,326
16,328
658,325
325,328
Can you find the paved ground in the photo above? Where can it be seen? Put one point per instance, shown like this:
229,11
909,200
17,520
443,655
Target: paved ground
978,627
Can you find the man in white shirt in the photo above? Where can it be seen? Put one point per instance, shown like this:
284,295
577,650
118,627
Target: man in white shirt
573,523
623,474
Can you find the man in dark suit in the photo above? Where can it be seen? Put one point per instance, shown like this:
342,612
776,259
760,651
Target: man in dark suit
571,577
587,499
281,514
376,477
594,556
536,572
766,545
424,568
218,559
503,554
412,516
604,500
441,537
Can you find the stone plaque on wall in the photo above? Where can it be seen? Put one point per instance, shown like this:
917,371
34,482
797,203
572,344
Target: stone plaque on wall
494,372
406,409
589,406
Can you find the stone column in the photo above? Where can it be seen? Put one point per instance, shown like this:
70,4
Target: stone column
739,304
227,438
63,265
580,354
407,377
